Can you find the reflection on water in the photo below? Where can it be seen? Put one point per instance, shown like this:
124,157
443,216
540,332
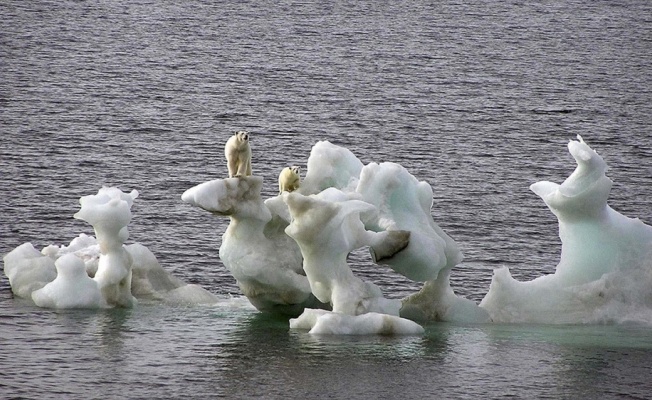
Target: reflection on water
261,356
233,351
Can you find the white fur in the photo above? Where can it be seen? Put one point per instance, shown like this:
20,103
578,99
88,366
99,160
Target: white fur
238,154
289,179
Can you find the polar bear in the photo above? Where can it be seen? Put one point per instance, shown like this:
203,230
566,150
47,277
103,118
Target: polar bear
238,154
289,179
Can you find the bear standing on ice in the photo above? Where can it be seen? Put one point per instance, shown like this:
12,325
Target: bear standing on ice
289,179
238,154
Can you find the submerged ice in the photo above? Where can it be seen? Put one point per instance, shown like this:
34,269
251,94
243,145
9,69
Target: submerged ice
288,253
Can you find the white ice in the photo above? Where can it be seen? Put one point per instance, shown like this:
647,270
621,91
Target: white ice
28,270
331,166
97,272
109,211
404,203
288,253
326,233
265,262
322,322
295,245
605,271
72,288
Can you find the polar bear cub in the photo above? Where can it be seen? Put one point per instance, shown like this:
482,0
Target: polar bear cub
289,179
238,154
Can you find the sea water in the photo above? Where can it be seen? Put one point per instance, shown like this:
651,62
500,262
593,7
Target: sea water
478,98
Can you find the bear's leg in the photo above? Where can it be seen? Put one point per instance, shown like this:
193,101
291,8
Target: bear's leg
232,166
249,167
242,168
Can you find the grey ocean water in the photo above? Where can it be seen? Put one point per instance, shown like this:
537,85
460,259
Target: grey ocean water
478,98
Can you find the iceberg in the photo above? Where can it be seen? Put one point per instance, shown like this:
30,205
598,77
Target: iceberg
97,272
72,288
327,232
265,262
289,253
605,271
109,211
28,270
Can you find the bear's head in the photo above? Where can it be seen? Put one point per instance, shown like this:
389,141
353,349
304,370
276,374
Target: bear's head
242,136
296,169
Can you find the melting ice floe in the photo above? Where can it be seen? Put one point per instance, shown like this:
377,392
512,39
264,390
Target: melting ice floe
288,253
605,274
605,271
97,272
290,250
109,211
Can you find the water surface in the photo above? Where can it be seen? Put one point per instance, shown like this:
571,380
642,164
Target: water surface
478,98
